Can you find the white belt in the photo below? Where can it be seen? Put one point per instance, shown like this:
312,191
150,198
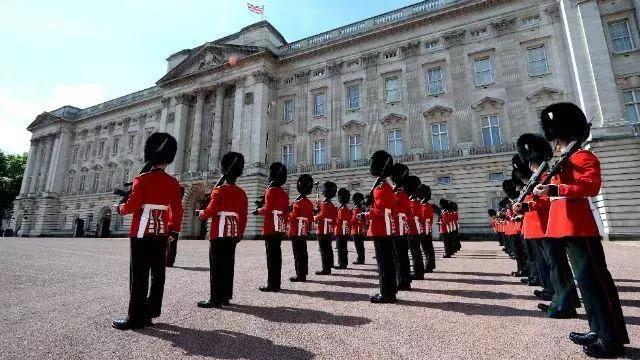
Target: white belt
327,224
144,219
345,227
554,198
387,221
418,225
276,221
302,226
427,226
223,220
401,223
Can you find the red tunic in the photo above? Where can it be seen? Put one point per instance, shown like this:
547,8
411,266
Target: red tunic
301,217
535,219
382,216
427,215
417,217
228,210
509,227
357,225
343,220
276,206
445,221
326,218
570,213
160,193
405,216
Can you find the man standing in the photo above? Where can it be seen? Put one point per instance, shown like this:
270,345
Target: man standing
325,219
401,242
416,225
172,250
424,195
300,220
228,210
343,227
152,195
357,228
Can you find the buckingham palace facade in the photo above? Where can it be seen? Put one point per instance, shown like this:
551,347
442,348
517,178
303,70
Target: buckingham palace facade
446,86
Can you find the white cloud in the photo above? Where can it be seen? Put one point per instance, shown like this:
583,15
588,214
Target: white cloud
16,113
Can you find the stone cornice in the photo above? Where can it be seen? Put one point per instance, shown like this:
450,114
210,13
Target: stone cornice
370,59
393,118
487,101
335,68
504,26
410,49
438,111
454,38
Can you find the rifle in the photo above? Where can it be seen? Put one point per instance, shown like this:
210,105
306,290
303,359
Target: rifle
220,181
127,187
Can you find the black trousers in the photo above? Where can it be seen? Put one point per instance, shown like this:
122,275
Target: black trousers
599,292
300,256
426,241
148,256
565,294
172,252
326,252
456,241
358,242
500,239
401,257
530,258
386,266
416,256
222,255
447,241
343,252
273,244
518,250
542,267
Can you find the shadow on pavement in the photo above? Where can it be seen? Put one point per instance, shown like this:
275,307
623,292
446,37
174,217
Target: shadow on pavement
477,294
330,295
474,309
298,316
476,281
223,344
359,276
192,268
347,284
630,302
473,273
627,288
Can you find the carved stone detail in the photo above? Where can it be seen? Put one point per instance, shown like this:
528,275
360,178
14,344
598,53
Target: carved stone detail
545,94
410,49
553,12
166,101
488,103
504,26
370,59
335,68
454,38
393,119
183,98
353,126
302,76
248,98
437,113
264,77
286,137
171,117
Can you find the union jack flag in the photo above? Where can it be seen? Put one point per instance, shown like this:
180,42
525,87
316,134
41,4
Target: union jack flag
255,8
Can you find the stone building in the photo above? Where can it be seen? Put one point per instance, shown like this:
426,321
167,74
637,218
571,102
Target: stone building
445,85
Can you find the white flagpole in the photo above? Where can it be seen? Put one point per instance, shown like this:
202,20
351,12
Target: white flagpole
263,7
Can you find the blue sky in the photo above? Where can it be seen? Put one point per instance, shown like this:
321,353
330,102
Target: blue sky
81,53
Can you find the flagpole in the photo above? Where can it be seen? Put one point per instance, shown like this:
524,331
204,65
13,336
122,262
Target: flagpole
263,7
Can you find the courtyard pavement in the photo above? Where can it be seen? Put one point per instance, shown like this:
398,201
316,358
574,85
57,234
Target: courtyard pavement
59,296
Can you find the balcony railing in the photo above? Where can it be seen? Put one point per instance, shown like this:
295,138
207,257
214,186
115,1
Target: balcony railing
482,150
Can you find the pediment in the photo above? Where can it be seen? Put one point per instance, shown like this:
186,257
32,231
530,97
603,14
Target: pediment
353,125
44,119
210,56
545,93
316,130
437,112
487,102
393,118
286,136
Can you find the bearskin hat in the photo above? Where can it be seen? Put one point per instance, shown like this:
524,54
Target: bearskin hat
411,184
444,204
381,164
399,173
515,177
343,196
160,148
232,164
564,121
509,187
277,174
305,184
504,204
454,206
357,198
329,189
533,148
492,212
423,193
521,168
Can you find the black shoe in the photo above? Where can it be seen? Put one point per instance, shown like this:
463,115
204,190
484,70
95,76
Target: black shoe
404,287
543,295
534,283
525,280
322,272
602,350
379,299
226,302
428,271
544,307
207,304
297,279
556,313
125,324
587,338
340,267
268,289
446,256
417,277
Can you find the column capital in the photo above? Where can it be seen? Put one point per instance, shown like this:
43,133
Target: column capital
183,98
166,101
239,82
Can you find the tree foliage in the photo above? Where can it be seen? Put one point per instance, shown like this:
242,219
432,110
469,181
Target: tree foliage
11,171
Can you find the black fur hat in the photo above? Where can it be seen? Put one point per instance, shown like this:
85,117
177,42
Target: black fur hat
509,187
423,193
232,163
305,184
521,168
160,148
343,196
277,174
399,173
504,204
357,198
564,121
411,184
515,177
444,204
454,206
534,148
381,164
492,212
329,190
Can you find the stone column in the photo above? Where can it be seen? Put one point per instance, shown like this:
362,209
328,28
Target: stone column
36,167
216,138
46,164
180,129
57,178
162,126
197,131
29,168
237,115
55,155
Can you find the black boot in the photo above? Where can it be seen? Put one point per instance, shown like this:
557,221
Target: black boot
587,338
603,350
207,304
126,324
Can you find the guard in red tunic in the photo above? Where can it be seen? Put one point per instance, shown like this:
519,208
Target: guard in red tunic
358,227
300,220
571,219
455,226
445,228
416,225
511,229
326,220
403,213
343,228
172,247
274,210
426,241
382,226
520,175
227,210
493,222
152,195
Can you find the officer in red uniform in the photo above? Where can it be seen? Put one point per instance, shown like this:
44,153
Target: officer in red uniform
357,227
403,213
274,210
493,222
382,226
426,241
300,220
512,229
445,228
227,210
343,227
520,175
416,225
172,247
325,220
152,195
571,219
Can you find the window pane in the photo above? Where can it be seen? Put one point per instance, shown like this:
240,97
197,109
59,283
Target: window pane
495,135
632,113
444,140
486,136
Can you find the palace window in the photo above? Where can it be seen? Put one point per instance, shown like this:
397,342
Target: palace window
110,179
355,147
83,182
96,181
101,148
632,105
287,155
491,130
116,143
318,152
394,142
319,72
434,81
125,175
496,176
531,20
287,111
621,36
353,97
132,142
484,73
87,151
318,107
392,90
444,180
391,54
537,61
495,202
439,137
69,184
433,44
75,154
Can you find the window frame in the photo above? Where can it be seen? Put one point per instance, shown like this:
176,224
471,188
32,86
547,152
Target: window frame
489,60
530,62
629,36
101,147
350,106
322,106
317,161
116,145
356,144
285,103
490,127
429,81
396,91
448,182
635,102
495,173
396,140
289,155
439,134
131,143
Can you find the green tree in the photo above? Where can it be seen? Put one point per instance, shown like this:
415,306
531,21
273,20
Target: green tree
11,171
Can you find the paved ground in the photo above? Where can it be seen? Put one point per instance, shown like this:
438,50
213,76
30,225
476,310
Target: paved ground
59,296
